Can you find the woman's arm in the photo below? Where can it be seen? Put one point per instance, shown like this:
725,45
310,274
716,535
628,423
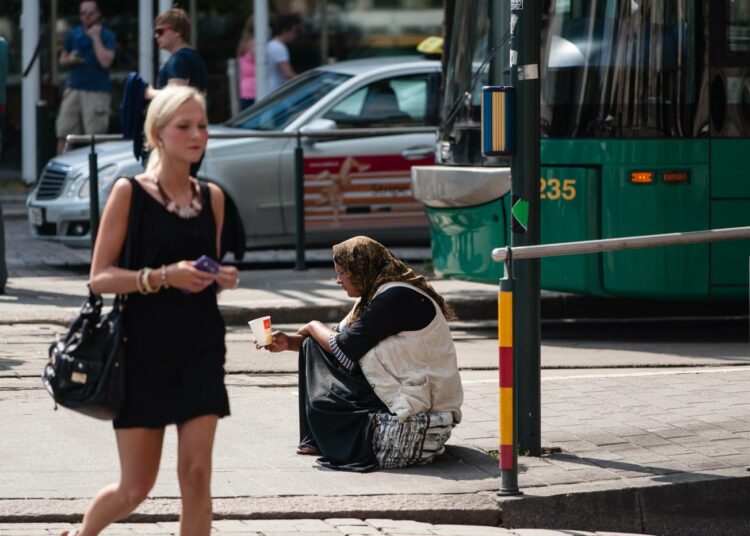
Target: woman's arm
318,331
228,276
217,205
105,276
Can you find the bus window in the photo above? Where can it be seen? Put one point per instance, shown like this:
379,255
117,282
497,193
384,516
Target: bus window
730,69
622,69
738,30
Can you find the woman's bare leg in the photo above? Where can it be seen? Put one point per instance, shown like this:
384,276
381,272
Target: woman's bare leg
140,453
195,446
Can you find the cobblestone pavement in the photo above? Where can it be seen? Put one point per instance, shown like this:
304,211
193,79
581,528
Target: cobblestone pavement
302,527
28,257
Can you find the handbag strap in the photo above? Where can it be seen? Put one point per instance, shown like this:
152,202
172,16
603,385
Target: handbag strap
127,256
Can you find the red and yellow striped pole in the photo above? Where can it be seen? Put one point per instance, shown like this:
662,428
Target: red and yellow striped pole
507,398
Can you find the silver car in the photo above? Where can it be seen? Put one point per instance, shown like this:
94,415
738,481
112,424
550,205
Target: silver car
351,185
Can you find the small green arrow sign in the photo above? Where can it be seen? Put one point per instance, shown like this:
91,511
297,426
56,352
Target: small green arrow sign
520,212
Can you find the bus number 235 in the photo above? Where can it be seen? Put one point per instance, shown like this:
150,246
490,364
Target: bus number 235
555,189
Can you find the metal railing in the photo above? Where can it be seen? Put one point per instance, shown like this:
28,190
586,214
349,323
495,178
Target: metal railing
614,244
508,404
299,191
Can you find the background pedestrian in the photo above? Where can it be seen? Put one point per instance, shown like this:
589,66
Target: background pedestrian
184,67
285,31
246,64
88,52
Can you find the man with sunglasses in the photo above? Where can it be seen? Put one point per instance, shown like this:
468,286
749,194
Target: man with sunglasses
88,52
185,66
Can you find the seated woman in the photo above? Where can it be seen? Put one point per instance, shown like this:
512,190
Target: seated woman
384,386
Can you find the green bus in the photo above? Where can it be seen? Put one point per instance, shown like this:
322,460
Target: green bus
645,128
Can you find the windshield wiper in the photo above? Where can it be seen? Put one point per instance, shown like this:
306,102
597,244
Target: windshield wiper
456,106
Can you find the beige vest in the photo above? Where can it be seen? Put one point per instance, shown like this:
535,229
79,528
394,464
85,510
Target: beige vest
416,371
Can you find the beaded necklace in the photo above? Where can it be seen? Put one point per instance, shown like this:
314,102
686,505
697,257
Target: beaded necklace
190,211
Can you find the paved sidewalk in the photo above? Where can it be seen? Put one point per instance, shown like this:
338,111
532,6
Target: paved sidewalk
302,527
635,448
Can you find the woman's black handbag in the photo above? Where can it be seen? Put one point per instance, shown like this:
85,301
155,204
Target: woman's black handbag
86,368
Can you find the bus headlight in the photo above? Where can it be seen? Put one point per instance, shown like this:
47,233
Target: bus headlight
107,175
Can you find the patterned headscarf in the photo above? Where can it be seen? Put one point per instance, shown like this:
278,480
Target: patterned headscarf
369,264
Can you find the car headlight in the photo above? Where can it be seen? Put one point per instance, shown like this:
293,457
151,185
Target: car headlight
75,184
107,176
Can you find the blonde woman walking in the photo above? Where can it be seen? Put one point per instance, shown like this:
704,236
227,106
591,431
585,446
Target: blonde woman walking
175,334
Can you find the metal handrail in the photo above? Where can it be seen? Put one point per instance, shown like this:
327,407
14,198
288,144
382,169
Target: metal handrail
83,139
614,244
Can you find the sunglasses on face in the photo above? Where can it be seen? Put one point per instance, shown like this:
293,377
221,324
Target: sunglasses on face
87,13
158,32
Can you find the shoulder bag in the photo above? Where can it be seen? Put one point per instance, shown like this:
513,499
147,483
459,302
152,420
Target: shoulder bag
86,367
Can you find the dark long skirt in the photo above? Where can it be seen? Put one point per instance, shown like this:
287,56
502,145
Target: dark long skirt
336,410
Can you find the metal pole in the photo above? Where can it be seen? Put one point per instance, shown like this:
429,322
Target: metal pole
524,66
53,42
193,13
627,242
260,21
93,192
3,264
146,39
299,202
508,396
29,90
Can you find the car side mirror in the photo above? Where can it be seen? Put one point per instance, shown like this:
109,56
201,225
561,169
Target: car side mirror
318,125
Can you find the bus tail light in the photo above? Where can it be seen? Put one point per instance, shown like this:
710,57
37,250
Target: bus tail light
642,177
675,177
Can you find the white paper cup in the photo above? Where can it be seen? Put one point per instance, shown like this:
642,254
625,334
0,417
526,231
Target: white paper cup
261,328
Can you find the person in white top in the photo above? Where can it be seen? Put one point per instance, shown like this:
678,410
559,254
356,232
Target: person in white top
286,29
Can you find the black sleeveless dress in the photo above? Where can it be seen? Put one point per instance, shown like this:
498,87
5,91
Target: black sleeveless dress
175,340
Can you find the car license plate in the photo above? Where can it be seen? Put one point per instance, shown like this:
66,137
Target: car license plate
36,216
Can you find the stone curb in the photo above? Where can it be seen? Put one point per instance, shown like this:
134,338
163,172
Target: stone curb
239,316
709,507
715,507
555,307
470,508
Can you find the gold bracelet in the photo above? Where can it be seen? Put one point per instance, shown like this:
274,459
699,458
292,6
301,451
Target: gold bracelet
163,276
145,281
139,282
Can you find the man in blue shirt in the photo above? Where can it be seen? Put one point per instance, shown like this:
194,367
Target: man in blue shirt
88,52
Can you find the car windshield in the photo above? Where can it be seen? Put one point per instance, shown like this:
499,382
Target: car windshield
282,106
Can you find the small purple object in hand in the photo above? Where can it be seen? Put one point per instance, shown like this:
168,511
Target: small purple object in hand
207,264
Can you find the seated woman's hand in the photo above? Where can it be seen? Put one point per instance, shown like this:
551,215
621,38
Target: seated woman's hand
305,330
185,276
280,342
